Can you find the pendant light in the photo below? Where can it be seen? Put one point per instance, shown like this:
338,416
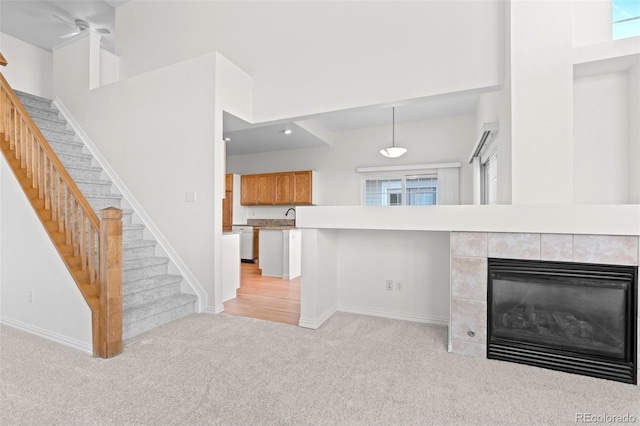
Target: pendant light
393,151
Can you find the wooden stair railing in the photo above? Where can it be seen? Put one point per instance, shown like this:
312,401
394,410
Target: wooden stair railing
90,248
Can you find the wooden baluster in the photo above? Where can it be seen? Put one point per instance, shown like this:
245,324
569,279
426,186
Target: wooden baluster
92,254
75,227
41,171
18,121
45,167
34,162
110,328
83,240
12,129
29,153
60,202
3,97
67,214
23,142
53,177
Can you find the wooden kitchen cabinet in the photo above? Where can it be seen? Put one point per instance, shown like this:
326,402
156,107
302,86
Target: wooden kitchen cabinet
257,190
266,190
249,190
227,204
302,188
285,188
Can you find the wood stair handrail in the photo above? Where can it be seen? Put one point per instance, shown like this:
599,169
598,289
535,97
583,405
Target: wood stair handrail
90,248
3,61
91,215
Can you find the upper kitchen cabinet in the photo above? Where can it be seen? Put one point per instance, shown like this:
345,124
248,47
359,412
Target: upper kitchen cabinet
257,190
286,188
303,188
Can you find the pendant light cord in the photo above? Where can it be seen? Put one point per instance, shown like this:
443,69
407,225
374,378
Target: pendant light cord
393,126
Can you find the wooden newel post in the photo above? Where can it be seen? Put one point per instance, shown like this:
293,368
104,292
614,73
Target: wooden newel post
110,279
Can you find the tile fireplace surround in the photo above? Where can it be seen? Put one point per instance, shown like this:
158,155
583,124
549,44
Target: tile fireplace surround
469,253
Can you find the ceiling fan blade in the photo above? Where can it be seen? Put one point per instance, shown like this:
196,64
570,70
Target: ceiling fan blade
69,35
71,24
103,31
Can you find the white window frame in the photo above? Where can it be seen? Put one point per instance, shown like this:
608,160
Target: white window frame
403,183
490,155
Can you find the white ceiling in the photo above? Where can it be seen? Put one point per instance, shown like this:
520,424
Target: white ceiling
33,22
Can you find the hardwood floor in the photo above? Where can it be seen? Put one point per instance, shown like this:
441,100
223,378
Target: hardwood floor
267,298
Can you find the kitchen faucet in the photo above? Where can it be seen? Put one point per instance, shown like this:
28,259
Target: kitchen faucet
294,216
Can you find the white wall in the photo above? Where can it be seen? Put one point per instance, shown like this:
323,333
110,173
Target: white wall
541,102
435,141
30,68
157,132
591,22
366,52
30,263
420,260
601,139
109,67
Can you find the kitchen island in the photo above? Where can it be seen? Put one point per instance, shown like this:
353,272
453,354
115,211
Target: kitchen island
280,252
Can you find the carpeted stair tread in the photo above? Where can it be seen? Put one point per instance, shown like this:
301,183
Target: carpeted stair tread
79,156
144,262
144,311
48,122
144,284
44,115
29,99
136,249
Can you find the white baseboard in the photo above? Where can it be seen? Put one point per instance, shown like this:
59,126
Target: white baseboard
392,314
49,335
173,256
317,323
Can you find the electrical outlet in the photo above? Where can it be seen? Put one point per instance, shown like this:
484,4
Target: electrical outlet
389,285
399,286
30,296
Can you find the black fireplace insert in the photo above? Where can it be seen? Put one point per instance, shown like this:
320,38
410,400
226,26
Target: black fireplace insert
574,317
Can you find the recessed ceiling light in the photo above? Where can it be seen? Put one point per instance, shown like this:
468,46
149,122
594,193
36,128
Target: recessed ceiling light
227,139
287,132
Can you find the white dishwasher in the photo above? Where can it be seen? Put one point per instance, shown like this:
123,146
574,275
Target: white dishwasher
246,241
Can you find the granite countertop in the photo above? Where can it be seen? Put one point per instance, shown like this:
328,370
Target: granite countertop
276,228
272,223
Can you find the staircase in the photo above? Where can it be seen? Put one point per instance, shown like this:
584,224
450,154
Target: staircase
150,295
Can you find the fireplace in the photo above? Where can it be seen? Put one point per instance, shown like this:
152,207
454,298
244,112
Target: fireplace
573,317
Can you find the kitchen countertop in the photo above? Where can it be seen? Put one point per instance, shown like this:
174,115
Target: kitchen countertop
276,228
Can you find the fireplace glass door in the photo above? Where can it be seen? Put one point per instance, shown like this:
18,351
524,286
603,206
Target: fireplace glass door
572,317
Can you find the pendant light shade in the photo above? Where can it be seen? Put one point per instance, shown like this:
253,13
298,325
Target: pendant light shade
393,151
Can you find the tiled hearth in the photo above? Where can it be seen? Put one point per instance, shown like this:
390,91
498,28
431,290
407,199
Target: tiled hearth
469,253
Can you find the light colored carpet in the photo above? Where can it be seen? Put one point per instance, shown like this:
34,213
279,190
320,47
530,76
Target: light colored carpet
223,369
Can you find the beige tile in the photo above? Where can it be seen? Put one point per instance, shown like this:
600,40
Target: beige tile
556,247
469,277
469,244
606,249
469,315
514,245
467,348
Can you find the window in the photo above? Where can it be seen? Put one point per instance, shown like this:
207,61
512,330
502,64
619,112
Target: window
625,18
410,190
489,172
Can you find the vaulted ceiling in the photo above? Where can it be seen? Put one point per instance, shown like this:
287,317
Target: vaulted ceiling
41,23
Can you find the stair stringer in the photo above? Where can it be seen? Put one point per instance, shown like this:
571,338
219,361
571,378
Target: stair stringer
163,248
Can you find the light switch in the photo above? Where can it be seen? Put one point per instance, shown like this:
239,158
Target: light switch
190,197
